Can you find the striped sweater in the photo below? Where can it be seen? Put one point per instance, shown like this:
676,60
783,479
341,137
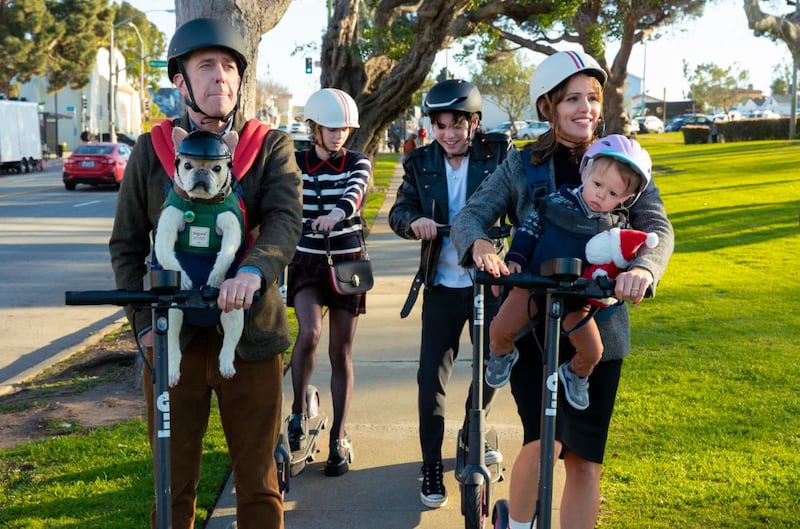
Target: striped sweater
342,181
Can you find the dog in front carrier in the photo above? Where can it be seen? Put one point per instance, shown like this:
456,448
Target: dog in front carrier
200,232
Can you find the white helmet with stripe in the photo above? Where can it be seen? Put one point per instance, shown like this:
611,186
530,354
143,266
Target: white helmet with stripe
332,108
559,67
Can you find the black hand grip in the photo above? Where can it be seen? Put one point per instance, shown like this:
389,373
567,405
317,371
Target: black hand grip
203,298
110,297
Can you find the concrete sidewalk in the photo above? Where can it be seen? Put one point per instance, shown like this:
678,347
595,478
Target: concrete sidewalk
382,487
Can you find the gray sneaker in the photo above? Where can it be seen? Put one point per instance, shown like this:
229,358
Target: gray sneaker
576,387
498,368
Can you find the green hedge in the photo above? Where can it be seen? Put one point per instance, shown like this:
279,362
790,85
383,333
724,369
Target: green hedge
741,130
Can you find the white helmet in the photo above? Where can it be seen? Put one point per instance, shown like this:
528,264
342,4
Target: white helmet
333,108
558,67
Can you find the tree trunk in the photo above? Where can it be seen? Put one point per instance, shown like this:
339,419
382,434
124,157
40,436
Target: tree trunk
252,18
383,87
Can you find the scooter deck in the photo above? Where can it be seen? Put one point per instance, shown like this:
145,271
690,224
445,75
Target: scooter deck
495,470
308,449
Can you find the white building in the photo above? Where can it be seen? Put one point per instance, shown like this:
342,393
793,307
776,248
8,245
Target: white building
64,113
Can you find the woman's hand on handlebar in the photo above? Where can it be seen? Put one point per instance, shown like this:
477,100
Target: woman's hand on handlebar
425,229
632,284
513,268
326,223
485,258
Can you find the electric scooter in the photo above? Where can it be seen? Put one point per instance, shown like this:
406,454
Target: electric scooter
163,295
475,477
560,279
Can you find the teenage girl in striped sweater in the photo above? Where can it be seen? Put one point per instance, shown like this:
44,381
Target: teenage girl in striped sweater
334,184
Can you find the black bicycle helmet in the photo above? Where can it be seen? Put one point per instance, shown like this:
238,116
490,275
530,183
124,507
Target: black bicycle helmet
453,94
203,33
204,145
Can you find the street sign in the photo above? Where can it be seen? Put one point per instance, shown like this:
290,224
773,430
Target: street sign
158,63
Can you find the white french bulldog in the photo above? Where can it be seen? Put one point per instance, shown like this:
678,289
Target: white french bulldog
202,182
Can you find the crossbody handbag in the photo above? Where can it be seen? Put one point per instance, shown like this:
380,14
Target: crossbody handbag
350,277
347,277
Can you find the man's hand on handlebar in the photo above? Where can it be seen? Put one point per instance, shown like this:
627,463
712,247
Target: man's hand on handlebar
425,228
237,292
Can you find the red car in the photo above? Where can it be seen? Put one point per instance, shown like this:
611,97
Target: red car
96,164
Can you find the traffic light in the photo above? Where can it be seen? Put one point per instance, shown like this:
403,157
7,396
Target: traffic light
83,102
309,65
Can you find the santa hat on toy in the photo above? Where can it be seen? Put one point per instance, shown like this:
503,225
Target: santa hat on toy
627,243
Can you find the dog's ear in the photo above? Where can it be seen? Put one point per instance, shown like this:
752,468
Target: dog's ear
178,135
231,138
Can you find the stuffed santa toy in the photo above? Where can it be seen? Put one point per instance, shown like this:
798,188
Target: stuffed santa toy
611,252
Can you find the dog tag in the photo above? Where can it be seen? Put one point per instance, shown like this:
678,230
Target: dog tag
199,237
189,216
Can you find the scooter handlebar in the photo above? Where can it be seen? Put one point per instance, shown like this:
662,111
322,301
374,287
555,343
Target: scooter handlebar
601,287
203,298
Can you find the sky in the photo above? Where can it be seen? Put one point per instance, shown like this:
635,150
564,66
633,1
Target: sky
721,37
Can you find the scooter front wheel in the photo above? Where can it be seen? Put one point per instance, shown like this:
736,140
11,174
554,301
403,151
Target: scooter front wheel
473,501
500,515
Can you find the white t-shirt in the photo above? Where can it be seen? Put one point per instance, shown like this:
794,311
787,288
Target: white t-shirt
449,273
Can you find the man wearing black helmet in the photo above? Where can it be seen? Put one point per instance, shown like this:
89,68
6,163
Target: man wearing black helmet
438,179
206,63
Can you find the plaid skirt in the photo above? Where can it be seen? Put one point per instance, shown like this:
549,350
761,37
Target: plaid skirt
312,270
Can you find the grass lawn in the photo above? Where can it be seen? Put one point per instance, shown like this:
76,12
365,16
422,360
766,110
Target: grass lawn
706,432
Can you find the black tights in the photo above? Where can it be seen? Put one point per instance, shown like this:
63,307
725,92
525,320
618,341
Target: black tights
308,309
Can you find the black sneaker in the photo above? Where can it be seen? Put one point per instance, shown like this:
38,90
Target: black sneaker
340,457
433,494
296,431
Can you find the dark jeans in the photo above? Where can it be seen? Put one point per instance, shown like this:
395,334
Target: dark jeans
445,311
250,409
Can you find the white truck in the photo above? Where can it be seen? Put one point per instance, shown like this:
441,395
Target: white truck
20,136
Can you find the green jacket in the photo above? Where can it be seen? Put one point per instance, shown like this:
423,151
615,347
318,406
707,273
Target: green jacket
272,190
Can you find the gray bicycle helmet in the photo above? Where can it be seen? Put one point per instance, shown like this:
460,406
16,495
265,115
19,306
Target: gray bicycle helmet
455,95
203,33
204,145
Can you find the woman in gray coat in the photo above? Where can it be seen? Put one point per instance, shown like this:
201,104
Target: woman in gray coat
566,90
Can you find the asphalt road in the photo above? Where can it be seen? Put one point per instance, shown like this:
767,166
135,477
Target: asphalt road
51,241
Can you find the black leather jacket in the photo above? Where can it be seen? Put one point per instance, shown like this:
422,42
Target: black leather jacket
423,192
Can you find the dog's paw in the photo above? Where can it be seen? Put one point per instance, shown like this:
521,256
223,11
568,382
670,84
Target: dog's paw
174,371
226,369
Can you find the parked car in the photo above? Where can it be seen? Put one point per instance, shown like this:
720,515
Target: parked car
298,128
650,124
678,122
96,164
532,130
506,128
301,142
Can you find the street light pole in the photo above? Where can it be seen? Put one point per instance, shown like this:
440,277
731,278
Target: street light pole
112,73
141,73
112,135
